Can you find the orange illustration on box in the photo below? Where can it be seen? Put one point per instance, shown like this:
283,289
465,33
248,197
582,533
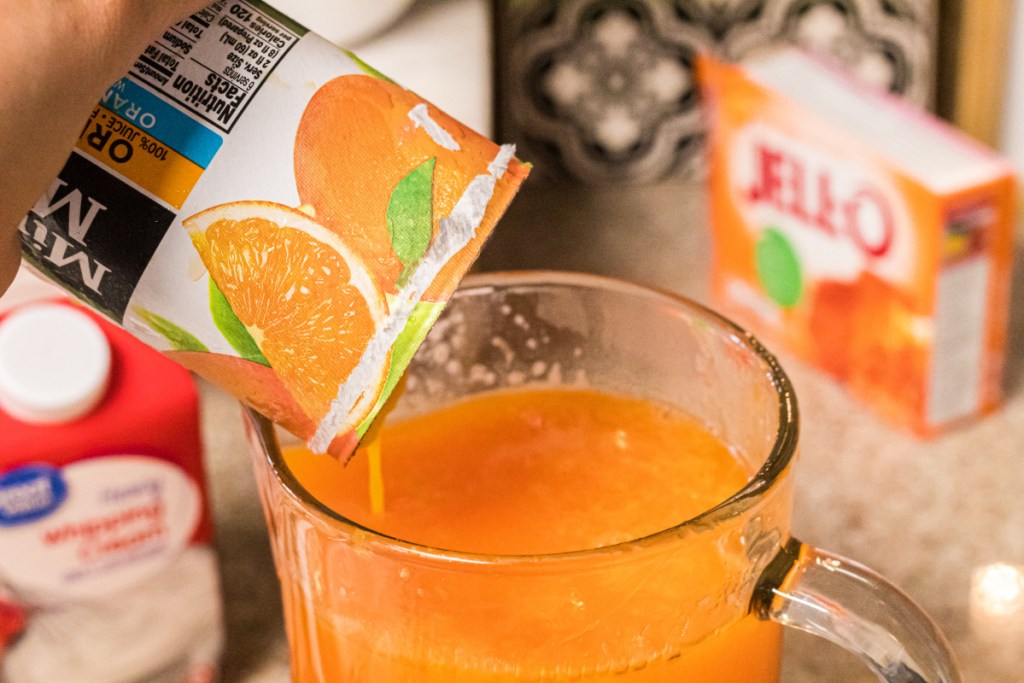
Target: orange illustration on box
326,302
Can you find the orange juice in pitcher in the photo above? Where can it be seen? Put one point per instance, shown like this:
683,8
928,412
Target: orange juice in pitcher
861,235
532,472
583,480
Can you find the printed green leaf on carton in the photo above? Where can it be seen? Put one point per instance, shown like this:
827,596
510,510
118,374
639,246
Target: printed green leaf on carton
410,217
366,68
232,328
416,328
179,339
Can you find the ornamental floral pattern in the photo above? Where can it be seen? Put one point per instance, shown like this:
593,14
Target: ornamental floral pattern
603,91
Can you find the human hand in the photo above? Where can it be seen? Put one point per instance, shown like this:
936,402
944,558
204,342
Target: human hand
58,57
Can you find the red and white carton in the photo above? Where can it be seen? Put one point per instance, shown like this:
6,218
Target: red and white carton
107,572
862,235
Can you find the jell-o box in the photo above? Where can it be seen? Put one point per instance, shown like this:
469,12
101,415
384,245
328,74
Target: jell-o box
861,235
273,214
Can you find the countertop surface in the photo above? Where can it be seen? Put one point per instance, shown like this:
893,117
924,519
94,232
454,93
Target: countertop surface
935,517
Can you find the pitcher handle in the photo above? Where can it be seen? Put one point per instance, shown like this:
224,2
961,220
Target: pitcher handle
852,606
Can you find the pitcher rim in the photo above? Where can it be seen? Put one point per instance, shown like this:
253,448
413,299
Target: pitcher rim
771,470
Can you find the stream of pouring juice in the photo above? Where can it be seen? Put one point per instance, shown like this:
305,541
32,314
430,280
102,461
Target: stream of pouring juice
532,472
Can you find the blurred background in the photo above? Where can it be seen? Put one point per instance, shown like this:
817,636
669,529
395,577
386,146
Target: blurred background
957,59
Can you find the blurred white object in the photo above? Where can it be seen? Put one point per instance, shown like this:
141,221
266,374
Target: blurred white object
163,629
454,74
996,609
344,22
43,377
997,591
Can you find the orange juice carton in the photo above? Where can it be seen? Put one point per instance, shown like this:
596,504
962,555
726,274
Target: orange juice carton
107,568
860,235
273,214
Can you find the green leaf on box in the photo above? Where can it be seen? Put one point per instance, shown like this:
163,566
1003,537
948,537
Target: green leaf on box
232,328
415,331
179,339
366,68
410,217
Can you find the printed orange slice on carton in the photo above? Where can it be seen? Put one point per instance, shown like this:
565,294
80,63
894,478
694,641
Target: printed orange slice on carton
381,135
307,300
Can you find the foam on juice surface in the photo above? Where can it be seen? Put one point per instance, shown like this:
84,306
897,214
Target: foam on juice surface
530,471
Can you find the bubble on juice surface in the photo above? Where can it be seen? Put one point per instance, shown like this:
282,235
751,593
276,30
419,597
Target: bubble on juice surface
555,374
504,344
480,374
440,353
506,350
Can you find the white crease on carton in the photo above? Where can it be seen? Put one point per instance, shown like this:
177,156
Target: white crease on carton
421,117
455,232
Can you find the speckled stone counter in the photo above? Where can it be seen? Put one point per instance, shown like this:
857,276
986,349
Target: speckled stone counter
930,515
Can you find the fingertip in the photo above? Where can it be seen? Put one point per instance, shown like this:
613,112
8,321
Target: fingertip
181,9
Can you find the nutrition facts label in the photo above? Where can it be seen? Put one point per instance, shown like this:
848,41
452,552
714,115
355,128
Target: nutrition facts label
146,145
961,314
214,62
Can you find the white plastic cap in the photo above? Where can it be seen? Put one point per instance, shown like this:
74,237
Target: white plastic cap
54,364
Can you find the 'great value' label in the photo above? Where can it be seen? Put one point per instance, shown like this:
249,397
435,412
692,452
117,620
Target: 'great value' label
94,526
